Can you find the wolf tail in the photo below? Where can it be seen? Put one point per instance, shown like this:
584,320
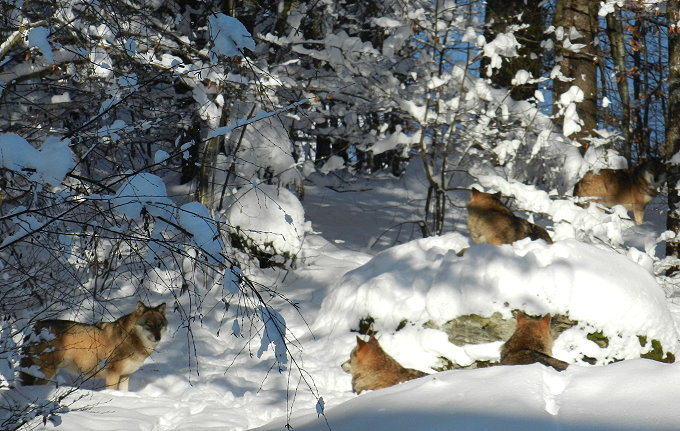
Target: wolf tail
538,232
528,356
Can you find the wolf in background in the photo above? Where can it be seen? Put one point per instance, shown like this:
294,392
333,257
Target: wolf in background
632,188
489,221
531,342
372,368
109,350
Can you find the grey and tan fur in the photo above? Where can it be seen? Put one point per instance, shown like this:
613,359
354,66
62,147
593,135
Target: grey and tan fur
531,342
109,350
489,221
632,188
372,368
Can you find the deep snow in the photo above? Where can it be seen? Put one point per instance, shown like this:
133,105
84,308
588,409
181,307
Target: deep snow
347,269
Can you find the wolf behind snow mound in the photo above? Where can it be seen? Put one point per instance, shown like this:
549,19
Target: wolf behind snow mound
632,188
109,350
489,221
531,342
371,368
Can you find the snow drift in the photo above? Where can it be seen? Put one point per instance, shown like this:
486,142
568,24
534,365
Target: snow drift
426,281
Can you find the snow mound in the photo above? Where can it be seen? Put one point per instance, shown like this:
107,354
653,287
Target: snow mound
425,281
270,217
510,398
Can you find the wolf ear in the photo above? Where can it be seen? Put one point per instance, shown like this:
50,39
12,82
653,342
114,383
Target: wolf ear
360,342
546,319
497,195
520,316
140,306
161,308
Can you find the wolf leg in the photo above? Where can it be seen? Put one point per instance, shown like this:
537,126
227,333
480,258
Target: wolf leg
638,213
123,384
113,380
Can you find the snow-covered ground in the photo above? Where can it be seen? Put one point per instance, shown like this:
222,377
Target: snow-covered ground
363,257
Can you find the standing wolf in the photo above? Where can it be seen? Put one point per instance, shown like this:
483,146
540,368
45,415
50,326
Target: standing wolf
372,368
109,350
489,221
632,188
531,342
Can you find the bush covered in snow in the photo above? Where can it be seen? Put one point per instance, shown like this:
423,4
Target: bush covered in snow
267,221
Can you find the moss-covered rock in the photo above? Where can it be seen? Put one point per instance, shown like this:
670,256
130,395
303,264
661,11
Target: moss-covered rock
599,339
265,253
476,329
366,326
656,352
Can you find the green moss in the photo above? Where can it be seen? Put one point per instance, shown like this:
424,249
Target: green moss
366,326
643,340
656,353
267,260
402,324
599,339
430,325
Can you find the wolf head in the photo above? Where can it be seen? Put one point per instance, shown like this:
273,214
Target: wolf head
477,197
653,171
483,202
533,334
364,354
151,322
372,368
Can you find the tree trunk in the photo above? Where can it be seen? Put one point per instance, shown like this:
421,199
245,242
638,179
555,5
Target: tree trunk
640,83
618,51
581,65
189,164
500,14
673,130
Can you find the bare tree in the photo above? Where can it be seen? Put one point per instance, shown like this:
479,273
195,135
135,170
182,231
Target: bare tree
618,51
673,128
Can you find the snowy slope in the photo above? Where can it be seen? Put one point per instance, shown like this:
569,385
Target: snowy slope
211,379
